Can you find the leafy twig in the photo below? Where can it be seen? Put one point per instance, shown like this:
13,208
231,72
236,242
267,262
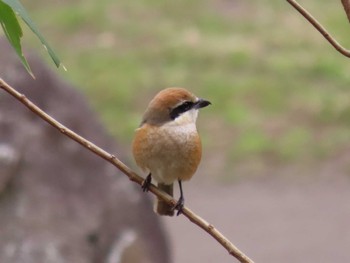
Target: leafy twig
19,9
320,28
233,250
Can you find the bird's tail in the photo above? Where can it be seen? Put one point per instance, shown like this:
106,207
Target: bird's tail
161,207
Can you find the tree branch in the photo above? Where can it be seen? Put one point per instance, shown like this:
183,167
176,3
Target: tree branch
320,28
346,5
233,250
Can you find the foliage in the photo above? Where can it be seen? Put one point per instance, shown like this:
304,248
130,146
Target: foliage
13,31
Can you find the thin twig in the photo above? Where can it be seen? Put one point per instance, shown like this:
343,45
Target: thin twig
320,28
233,250
346,5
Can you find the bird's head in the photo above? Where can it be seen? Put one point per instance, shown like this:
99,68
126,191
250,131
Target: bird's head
173,104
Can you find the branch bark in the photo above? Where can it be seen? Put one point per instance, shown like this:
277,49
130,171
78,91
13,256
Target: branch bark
320,28
210,229
346,5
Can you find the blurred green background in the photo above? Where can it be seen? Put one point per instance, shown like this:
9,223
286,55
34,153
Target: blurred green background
279,91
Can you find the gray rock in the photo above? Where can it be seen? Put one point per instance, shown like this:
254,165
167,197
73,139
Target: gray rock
59,202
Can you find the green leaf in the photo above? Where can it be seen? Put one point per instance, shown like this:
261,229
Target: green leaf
13,32
19,9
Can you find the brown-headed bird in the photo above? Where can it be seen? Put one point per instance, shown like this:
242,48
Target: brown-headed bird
167,144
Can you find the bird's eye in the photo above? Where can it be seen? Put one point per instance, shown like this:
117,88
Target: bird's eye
186,106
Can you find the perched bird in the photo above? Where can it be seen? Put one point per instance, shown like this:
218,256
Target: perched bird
167,145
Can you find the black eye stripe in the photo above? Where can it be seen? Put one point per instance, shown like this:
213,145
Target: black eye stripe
177,111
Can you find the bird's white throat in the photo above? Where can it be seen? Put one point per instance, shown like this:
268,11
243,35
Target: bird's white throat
188,117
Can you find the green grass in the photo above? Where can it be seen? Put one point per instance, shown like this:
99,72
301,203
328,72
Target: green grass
279,90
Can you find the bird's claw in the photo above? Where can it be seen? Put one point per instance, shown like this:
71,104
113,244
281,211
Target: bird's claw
179,206
146,183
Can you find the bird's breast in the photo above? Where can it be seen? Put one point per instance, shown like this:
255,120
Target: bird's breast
169,152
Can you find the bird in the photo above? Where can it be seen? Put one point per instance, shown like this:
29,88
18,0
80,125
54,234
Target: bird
167,145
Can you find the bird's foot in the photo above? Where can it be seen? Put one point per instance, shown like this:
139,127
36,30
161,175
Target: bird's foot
146,183
179,206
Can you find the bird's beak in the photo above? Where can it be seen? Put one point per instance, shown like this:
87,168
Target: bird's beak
201,103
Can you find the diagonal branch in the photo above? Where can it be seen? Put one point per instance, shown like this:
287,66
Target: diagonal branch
320,28
346,5
232,249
